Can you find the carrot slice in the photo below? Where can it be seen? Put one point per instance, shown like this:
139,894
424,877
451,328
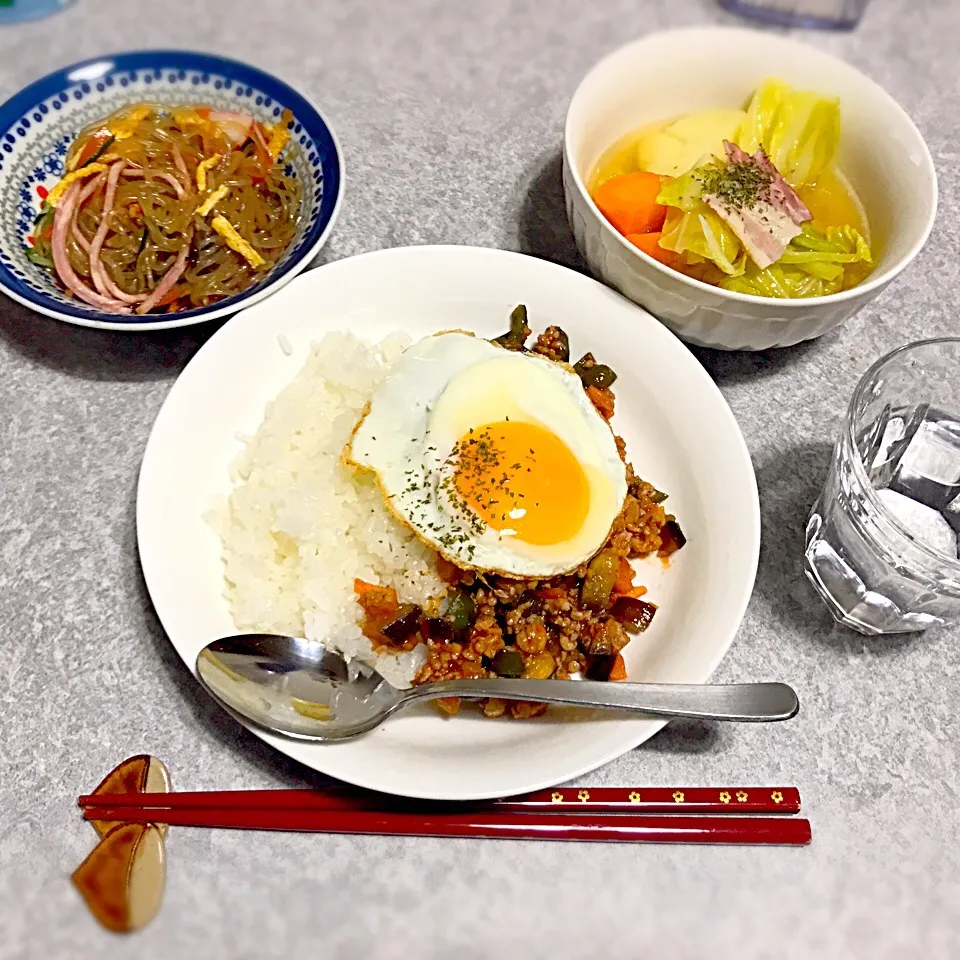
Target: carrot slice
636,592
260,146
629,202
551,593
619,669
649,243
93,144
174,293
624,581
377,601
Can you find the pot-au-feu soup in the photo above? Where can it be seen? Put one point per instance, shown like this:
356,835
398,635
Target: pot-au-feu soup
748,200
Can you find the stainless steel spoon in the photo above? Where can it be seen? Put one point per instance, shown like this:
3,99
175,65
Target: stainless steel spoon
301,689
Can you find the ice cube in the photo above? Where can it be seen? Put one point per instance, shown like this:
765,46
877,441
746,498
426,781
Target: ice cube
929,470
923,522
951,514
893,433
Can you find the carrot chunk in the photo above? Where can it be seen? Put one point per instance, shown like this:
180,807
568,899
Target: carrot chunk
619,669
629,202
649,243
624,581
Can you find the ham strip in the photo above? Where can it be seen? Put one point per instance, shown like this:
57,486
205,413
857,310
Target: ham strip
179,161
98,271
61,260
234,126
167,283
767,225
157,175
88,190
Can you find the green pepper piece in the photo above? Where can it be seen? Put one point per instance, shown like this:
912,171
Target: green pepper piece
598,583
517,335
460,609
593,374
508,663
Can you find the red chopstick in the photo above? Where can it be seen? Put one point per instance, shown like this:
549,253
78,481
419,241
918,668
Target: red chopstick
479,824
720,800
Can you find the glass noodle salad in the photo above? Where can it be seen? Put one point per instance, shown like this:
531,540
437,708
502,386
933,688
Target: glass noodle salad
748,200
168,208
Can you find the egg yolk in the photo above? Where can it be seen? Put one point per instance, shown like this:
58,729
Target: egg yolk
521,477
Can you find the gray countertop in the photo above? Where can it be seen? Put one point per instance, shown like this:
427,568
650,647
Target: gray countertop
450,116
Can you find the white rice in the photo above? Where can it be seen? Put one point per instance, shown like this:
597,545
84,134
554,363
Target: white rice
299,526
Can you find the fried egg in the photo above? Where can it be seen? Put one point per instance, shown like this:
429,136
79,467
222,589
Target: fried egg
496,459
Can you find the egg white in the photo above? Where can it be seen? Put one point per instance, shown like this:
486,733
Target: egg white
445,385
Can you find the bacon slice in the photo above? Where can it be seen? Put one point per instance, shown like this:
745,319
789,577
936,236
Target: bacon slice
781,194
768,225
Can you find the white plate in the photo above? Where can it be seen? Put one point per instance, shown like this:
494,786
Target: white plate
680,435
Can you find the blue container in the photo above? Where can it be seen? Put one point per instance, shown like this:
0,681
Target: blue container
17,11
822,14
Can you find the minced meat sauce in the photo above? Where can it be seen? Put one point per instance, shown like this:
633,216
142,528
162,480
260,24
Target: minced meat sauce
490,625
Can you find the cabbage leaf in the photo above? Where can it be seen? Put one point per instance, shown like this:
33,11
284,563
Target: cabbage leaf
693,229
700,235
798,129
812,265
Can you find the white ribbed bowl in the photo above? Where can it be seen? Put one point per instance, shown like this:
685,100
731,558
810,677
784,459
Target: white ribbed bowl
681,71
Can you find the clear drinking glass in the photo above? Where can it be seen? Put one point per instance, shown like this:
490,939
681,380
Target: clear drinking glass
830,14
882,539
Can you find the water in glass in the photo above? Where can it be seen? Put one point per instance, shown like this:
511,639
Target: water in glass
882,539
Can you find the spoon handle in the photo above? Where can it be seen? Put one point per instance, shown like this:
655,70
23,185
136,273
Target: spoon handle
732,701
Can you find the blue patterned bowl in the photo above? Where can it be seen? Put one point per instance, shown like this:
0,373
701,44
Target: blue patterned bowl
38,125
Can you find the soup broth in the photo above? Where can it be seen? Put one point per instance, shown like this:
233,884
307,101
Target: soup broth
831,199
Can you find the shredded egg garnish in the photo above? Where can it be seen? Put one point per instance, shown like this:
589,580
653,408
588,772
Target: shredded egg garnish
278,140
212,201
55,195
127,126
235,242
202,169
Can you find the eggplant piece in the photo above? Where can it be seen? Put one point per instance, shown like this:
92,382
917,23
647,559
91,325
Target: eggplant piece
671,538
600,667
601,647
508,663
439,628
516,336
632,612
404,624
